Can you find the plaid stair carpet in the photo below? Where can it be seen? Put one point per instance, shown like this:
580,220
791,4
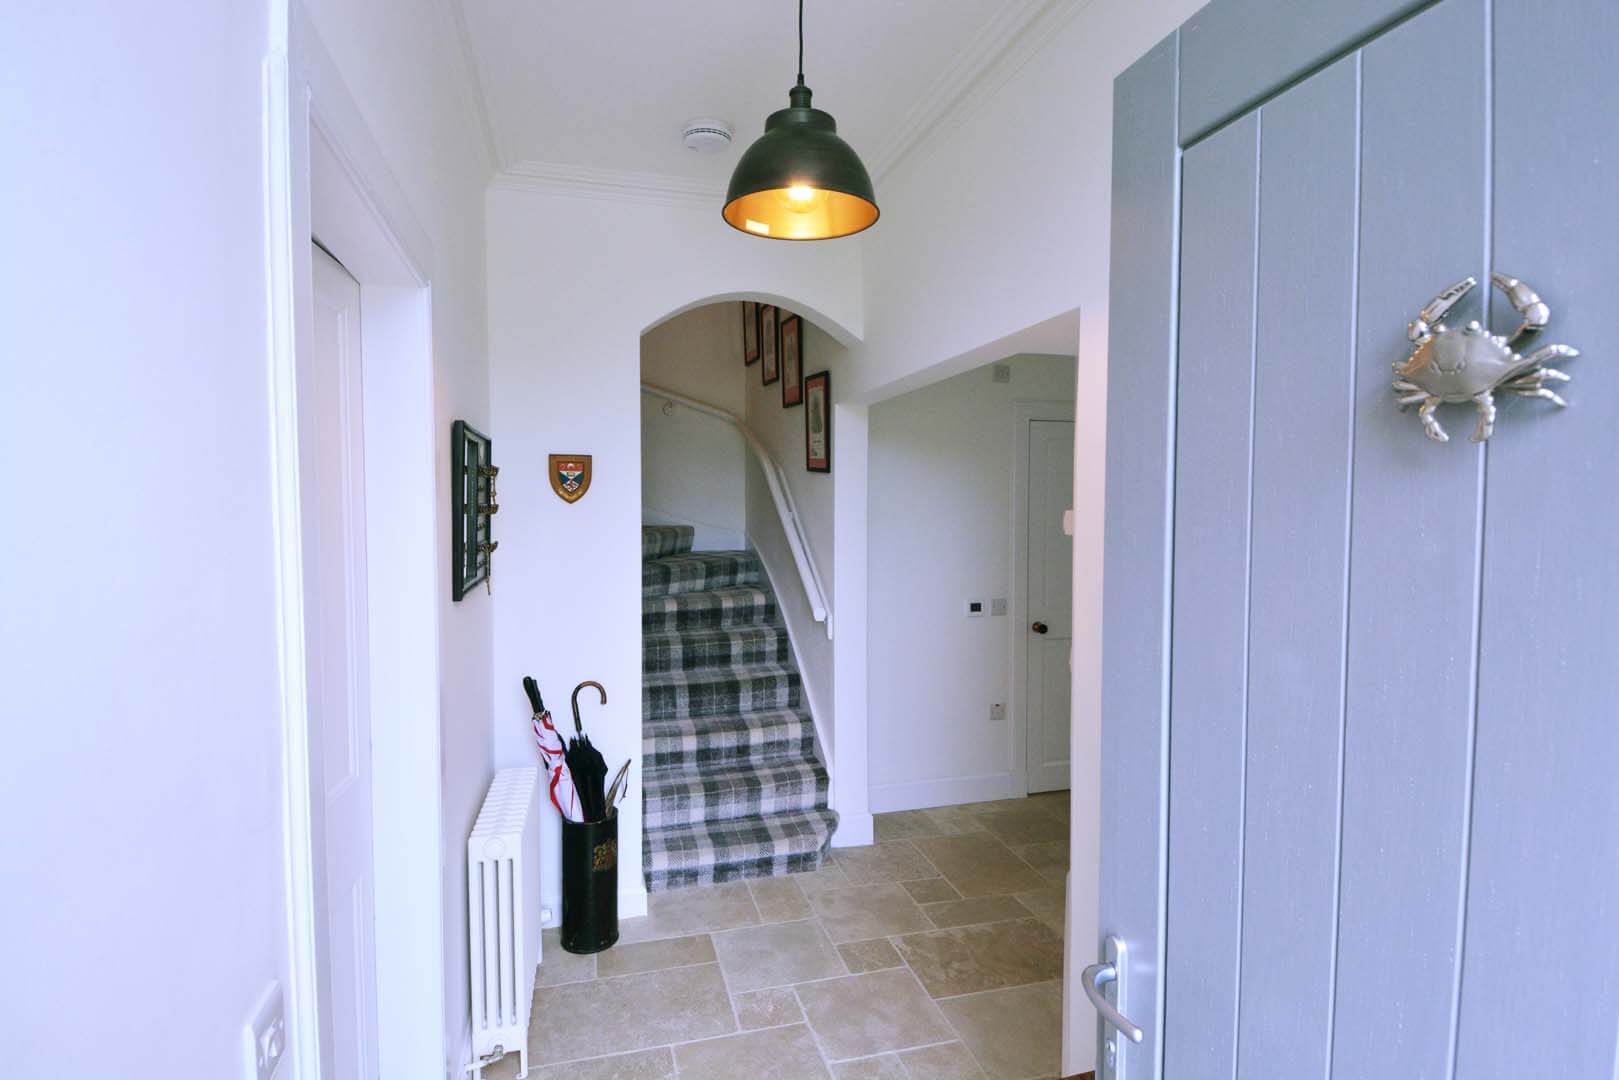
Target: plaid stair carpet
732,783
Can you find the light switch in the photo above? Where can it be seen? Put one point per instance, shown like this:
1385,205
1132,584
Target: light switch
975,609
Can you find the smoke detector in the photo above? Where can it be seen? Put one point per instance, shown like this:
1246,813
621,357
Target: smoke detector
707,135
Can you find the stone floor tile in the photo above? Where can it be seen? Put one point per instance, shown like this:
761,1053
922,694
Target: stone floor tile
1048,903
779,899
679,912
947,1061
783,1053
767,1008
886,1067
778,954
827,876
1012,1033
931,890
558,966
655,955
630,1012
968,959
954,820
978,864
874,1013
1058,804
867,911
1049,859
980,909
894,860
656,1064
873,955
1025,825
903,825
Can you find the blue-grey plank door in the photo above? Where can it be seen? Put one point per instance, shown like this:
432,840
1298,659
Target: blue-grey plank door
1361,689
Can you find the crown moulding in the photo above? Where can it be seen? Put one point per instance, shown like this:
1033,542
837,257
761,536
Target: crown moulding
1017,34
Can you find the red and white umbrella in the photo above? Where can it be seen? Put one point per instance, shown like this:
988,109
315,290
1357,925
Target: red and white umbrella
553,751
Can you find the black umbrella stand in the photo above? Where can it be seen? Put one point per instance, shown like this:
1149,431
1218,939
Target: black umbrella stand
589,848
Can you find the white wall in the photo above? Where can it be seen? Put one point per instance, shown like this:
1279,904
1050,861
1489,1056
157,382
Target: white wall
940,527
406,74
692,465
137,633
781,430
141,654
573,283
1028,199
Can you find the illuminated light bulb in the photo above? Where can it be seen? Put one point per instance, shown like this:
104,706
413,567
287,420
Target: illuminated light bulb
798,198
757,227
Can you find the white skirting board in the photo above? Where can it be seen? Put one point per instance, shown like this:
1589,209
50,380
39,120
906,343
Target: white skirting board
950,791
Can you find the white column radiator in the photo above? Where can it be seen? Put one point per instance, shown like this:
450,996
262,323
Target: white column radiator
503,915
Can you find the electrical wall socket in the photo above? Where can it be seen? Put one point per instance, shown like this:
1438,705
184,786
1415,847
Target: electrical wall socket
265,1037
997,713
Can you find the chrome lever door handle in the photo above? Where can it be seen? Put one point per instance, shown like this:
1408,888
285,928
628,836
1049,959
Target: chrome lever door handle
1093,978
1114,969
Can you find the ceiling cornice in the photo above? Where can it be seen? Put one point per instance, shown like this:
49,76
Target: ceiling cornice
955,83
480,93
615,184
1017,34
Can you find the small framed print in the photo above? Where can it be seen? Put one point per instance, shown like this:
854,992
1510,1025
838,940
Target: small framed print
769,345
792,361
750,332
818,422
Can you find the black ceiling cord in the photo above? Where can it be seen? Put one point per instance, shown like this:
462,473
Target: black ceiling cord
800,42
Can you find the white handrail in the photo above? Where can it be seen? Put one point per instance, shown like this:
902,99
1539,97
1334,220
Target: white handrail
780,494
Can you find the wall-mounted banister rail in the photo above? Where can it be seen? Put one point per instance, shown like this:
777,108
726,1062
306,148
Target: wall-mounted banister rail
780,494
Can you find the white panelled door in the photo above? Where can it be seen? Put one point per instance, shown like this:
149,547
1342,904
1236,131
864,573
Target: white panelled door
1049,623
332,482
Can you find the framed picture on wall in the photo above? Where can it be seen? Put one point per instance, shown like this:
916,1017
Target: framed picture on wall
818,422
769,346
750,332
792,361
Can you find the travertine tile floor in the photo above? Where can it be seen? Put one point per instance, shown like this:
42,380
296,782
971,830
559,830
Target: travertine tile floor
934,954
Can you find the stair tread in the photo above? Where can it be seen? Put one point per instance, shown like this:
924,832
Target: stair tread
660,540
717,647
698,571
763,669
670,779
760,845
760,720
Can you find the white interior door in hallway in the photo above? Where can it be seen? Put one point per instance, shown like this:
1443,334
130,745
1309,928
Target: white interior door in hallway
1045,491
332,483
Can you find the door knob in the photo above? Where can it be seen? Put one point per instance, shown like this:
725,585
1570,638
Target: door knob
1039,628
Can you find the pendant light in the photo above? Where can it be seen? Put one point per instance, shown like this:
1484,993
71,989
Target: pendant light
799,181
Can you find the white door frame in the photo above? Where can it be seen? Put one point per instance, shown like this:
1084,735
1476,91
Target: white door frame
326,178
1023,413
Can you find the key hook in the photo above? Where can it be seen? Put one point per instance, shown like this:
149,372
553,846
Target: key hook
577,726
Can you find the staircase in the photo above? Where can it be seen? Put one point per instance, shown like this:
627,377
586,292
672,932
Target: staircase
732,782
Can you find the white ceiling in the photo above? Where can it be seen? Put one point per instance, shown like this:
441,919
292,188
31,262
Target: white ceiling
609,84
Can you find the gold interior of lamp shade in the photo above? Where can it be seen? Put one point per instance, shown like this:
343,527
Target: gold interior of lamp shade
800,213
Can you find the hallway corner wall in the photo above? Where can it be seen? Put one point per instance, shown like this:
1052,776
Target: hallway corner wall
575,279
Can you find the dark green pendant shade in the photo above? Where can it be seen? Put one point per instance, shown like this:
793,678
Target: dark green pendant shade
799,180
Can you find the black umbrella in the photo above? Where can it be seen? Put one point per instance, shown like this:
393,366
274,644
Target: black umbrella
585,762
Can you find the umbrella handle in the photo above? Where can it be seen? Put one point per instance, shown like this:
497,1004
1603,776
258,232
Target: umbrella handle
577,726
532,689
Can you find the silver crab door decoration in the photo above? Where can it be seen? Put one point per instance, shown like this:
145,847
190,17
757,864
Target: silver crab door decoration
1470,364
